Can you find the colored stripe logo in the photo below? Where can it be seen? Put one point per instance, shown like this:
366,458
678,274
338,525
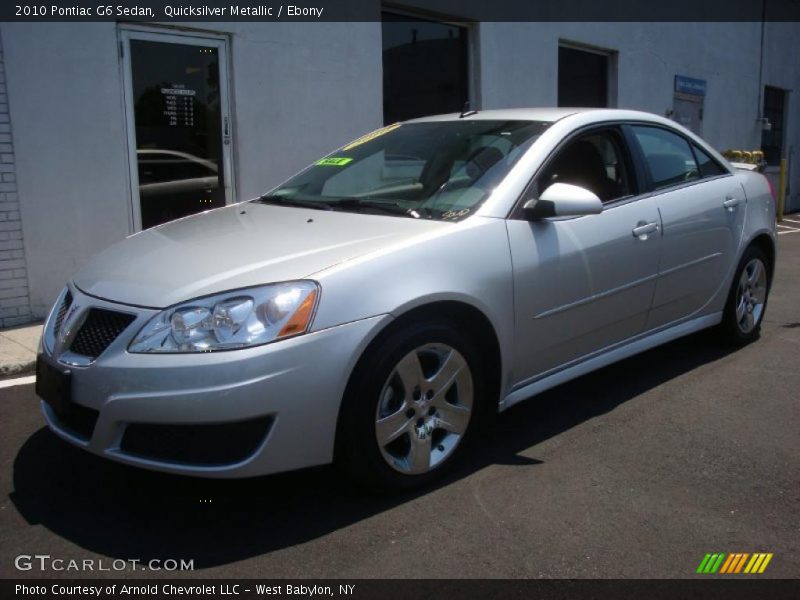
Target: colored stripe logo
734,563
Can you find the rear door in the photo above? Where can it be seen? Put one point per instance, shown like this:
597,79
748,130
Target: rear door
702,209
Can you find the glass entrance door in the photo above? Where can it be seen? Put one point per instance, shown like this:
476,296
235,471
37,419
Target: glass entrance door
178,125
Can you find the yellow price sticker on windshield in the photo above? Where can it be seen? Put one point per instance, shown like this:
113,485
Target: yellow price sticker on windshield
371,136
334,161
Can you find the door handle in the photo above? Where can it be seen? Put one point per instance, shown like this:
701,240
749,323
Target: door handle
226,131
642,229
731,203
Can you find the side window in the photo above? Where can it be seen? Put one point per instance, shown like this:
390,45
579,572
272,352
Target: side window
708,166
668,155
596,162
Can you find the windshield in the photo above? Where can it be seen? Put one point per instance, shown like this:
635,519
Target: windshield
433,170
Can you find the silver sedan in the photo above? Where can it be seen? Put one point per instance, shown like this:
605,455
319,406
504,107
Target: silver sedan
375,308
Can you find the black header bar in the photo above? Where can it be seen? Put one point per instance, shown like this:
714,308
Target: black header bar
403,589
177,11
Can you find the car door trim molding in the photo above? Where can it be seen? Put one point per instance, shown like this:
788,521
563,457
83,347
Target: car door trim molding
599,296
605,357
696,261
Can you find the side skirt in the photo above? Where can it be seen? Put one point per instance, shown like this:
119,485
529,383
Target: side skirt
608,356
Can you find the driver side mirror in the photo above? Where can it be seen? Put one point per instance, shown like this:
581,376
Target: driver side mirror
563,200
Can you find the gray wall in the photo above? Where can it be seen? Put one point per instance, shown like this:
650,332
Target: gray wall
782,70
520,67
64,87
299,90
14,303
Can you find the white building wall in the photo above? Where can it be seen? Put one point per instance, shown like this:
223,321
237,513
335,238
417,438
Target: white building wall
14,304
519,67
298,90
68,124
782,70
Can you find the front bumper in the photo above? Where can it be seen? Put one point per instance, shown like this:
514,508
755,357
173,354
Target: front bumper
291,388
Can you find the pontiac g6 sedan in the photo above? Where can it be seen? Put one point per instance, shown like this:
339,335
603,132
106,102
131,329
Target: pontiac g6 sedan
374,308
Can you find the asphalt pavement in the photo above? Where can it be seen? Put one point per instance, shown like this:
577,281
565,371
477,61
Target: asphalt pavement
637,470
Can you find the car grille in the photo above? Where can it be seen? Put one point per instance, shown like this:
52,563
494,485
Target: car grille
196,444
100,328
62,311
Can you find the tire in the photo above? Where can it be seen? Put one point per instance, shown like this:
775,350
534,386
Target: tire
419,389
747,299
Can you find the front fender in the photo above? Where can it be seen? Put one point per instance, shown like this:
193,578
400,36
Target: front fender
469,263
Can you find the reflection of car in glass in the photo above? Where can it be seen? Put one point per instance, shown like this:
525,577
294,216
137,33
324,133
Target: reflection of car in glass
373,308
171,171
174,183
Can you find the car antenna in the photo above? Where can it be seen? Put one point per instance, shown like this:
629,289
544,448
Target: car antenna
465,112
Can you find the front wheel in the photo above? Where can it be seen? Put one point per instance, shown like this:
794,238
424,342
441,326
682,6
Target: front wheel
411,407
747,300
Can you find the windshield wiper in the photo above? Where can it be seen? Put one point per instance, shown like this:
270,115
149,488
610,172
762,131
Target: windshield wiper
391,208
288,201
347,202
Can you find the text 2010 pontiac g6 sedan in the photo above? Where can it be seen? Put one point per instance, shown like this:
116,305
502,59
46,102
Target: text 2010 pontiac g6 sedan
373,308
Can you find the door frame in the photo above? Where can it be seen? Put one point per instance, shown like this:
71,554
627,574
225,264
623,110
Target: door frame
125,33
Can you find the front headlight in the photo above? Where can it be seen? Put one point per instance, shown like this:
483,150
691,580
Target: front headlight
236,319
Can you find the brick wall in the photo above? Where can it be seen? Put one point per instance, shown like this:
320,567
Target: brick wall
14,302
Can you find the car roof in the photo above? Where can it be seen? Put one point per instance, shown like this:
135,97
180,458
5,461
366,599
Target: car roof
505,114
546,114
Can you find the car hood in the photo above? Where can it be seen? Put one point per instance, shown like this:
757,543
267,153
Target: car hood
237,246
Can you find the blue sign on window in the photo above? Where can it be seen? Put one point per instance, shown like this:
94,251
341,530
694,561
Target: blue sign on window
690,85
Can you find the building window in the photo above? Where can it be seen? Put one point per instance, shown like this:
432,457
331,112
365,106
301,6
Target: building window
425,67
772,140
584,77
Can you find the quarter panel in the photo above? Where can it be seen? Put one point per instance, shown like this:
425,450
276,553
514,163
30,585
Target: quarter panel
760,215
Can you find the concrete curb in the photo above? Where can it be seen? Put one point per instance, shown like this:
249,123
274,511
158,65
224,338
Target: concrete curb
18,347
27,367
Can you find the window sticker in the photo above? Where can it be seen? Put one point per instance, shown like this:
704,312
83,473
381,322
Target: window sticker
371,136
334,161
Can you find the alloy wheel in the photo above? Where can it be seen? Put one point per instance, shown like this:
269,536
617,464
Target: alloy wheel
751,295
424,408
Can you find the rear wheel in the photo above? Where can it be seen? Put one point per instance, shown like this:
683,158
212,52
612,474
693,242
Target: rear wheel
411,407
747,300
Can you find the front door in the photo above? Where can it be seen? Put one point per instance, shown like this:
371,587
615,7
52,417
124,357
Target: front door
178,125
584,284
581,285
